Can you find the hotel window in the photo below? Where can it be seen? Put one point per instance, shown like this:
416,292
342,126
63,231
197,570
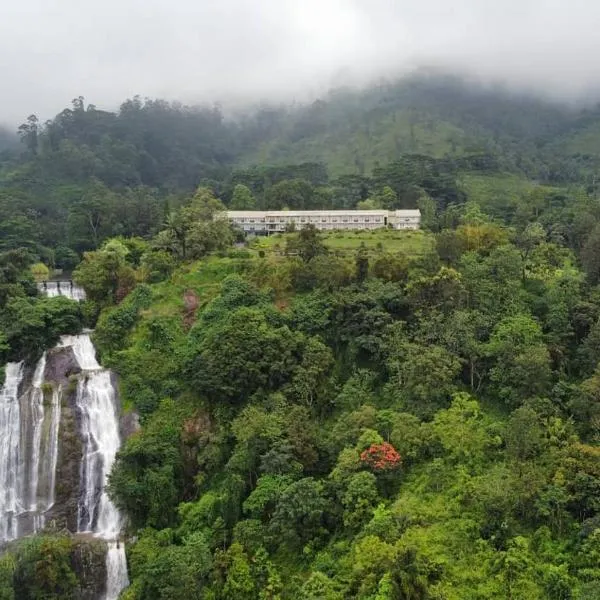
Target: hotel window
345,220
282,220
366,219
302,220
355,219
334,220
323,220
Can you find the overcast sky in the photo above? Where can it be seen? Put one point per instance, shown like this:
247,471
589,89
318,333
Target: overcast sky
199,50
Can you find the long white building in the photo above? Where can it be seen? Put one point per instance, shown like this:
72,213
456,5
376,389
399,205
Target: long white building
276,221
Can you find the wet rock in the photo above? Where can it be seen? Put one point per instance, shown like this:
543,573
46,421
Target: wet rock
61,366
68,466
88,559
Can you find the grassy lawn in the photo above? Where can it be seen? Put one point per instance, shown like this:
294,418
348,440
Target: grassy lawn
495,189
411,243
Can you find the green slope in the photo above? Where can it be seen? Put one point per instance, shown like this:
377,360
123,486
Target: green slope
365,143
354,131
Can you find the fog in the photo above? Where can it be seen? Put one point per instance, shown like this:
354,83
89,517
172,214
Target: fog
241,50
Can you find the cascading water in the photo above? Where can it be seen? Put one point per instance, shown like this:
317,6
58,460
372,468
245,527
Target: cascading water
96,403
62,288
116,570
29,425
99,428
10,427
29,428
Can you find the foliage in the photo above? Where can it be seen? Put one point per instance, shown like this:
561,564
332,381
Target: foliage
279,384
381,457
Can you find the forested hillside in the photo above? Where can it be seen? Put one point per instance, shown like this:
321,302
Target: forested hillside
89,174
377,415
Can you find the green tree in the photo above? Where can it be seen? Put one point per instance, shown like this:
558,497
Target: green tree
29,133
245,354
359,499
242,198
362,263
532,236
239,584
590,256
461,429
196,229
296,194
147,480
105,274
522,362
421,376
319,587
43,569
299,512
90,216
391,267
176,572
306,243
261,503
7,569
524,434
386,198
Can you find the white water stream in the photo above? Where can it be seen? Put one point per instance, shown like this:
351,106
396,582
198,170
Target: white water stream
99,430
62,288
29,437
99,427
29,424
10,427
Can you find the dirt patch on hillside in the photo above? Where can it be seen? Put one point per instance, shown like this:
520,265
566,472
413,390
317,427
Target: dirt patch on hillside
190,303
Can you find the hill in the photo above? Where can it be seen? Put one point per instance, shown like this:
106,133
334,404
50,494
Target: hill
359,415
353,131
427,139
392,423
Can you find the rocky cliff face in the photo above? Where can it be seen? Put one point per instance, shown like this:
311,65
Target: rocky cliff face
88,560
62,372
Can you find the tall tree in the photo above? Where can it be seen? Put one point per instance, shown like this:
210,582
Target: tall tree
242,198
29,134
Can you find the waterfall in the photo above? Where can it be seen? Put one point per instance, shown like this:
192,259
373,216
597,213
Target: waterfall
29,425
99,425
99,430
29,438
116,570
62,288
10,425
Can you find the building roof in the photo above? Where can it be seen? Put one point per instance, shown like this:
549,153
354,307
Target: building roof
408,212
320,213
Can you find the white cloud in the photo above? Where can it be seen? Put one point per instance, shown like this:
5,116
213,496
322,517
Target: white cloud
202,50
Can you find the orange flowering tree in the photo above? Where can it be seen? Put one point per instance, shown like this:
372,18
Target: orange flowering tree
381,457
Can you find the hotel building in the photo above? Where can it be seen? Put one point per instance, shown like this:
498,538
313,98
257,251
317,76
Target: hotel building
276,221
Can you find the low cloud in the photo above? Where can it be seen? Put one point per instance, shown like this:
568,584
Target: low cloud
208,50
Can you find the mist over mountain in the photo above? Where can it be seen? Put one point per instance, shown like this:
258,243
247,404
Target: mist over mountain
8,139
281,50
